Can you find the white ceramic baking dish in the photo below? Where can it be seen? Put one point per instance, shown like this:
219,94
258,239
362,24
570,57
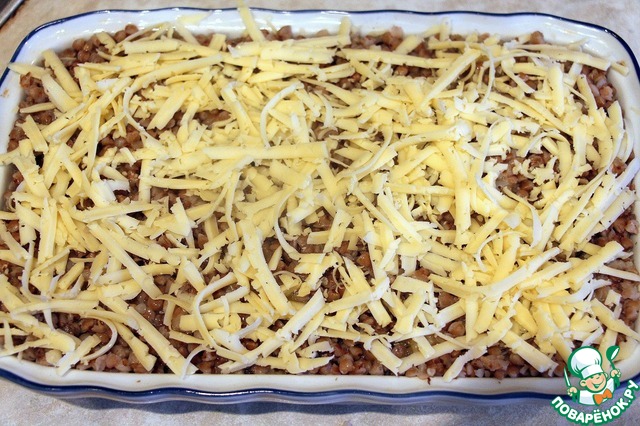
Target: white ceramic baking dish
308,389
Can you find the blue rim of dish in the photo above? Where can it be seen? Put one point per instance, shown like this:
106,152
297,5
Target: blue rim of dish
263,394
270,394
606,30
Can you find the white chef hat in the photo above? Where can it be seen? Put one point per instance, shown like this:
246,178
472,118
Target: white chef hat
585,362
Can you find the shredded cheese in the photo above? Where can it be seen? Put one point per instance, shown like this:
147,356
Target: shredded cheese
294,167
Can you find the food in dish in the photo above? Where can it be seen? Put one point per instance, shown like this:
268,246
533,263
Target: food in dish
423,205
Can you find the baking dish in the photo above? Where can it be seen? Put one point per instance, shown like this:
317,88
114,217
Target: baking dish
306,389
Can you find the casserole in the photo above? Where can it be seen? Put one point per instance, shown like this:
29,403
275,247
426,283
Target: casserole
234,388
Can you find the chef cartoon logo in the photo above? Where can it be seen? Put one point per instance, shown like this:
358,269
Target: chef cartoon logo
597,387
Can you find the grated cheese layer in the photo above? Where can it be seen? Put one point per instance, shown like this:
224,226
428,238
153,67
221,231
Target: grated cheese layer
405,169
